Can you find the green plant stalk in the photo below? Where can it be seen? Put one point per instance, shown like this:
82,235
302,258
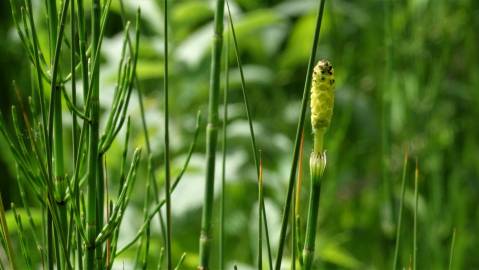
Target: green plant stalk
260,217
52,24
401,204
180,261
250,123
211,137
451,251
317,165
416,197
385,113
55,129
223,163
297,142
169,262
322,104
93,142
145,130
75,134
158,206
294,239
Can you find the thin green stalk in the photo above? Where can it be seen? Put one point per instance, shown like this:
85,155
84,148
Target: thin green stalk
50,241
52,25
401,204
451,252
294,239
416,197
317,164
322,105
221,254
250,122
169,262
158,206
93,143
260,210
385,114
211,138
297,143
145,133
180,262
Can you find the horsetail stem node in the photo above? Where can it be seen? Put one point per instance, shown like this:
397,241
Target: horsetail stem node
322,103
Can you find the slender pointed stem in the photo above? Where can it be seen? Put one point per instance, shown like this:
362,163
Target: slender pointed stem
416,179
94,114
304,102
169,262
250,124
401,204
451,252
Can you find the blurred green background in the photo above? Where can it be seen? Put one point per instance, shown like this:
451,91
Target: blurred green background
409,80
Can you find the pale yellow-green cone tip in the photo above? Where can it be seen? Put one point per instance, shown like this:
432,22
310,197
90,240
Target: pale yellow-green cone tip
322,96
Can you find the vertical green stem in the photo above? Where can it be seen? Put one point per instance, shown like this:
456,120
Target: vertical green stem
416,179
297,143
223,163
169,262
94,114
401,204
211,137
317,163
451,251
260,210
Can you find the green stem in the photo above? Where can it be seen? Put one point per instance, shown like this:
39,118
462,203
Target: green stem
416,179
94,114
317,163
451,251
250,123
297,143
221,254
401,204
211,137
169,262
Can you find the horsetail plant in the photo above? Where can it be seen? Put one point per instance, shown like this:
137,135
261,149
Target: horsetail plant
211,137
297,141
77,233
322,103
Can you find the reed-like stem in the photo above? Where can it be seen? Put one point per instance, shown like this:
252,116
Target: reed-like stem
211,138
317,165
297,142
221,254
416,197
401,204
451,251
169,262
93,143
250,123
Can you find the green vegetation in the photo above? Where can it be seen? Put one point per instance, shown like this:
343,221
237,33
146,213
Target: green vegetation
108,163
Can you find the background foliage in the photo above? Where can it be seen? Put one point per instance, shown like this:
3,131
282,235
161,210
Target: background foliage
419,93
